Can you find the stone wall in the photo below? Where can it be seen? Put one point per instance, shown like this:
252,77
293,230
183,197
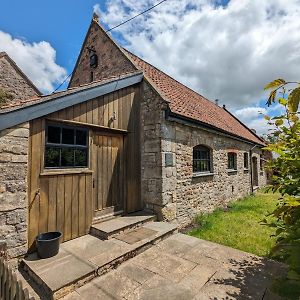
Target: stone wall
168,185
13,188
152,114
111,61
13,82
188,195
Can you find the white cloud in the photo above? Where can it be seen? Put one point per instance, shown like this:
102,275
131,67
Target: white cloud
36,60
226,52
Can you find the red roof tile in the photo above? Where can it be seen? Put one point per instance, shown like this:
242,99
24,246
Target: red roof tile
186,102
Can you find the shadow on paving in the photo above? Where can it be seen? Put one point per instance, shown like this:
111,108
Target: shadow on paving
251,279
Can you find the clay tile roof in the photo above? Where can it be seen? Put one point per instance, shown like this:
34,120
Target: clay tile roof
187,103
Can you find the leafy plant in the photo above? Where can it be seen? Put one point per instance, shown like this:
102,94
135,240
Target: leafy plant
4,96
285,143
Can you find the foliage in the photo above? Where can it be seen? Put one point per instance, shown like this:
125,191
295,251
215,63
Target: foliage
286,173
4,96
239,226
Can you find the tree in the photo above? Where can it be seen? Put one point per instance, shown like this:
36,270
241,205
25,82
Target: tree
286,173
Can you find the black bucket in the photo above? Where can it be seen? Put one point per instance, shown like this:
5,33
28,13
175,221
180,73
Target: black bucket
48,244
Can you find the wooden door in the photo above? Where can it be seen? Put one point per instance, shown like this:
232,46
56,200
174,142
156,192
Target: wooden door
108,167
254,171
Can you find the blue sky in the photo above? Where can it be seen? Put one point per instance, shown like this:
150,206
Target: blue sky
226,50
63,23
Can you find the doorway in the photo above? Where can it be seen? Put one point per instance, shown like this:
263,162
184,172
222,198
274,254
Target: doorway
254,171
108,174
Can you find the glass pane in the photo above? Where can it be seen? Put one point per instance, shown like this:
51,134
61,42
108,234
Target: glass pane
81,157
68,136
53,134
67,157
52,157
81,137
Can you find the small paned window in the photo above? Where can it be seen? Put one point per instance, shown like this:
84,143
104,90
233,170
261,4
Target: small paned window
201,159
246,160
232,161
66,147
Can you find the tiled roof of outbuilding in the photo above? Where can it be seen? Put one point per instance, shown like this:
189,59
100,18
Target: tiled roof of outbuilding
187,103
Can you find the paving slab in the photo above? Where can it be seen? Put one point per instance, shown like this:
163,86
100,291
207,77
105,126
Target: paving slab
168,270
136,235
86,257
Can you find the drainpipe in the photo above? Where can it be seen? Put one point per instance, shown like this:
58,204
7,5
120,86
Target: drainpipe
251,168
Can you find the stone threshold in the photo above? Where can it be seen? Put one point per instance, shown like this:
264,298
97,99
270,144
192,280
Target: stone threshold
84,258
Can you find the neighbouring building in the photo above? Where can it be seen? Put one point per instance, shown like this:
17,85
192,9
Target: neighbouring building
123,137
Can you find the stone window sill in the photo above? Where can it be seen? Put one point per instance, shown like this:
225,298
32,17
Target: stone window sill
231,171
195,175
246,170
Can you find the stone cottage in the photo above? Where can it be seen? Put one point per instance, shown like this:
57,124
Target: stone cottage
123,137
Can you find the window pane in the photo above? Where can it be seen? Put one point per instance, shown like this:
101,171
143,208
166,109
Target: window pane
81,137
81,158
68,136
67,157
53,134
52,157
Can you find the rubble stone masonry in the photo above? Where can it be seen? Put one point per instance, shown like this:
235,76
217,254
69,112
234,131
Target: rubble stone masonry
14,82
13,188
169,186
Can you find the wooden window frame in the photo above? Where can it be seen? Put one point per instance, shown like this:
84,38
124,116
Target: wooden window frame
202,148
231,167
66,146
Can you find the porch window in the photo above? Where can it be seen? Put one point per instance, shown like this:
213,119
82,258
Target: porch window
246,160
201,159
66,147
232,161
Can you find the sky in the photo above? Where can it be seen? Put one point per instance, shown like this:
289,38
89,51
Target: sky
226,50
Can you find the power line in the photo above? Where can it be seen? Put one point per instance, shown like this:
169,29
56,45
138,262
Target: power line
150,8
110,29
62,82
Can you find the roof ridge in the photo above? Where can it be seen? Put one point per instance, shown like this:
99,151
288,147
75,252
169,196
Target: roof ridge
254,133
189,97
204,98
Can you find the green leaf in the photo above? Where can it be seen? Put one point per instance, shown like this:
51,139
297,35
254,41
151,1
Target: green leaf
282,101
267,118
293,100
271,98
274,84
279,122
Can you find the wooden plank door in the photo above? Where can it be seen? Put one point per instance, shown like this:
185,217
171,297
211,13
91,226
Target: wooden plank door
108,167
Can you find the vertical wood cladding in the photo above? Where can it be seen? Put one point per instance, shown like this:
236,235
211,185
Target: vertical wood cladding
63,199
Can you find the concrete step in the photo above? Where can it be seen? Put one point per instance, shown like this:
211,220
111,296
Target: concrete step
84,258
119,225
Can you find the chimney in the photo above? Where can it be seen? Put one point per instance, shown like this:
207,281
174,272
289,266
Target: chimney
217,102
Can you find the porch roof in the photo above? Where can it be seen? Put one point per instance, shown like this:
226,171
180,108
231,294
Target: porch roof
23,111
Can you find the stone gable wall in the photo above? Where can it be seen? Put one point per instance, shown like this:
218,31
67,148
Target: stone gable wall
111,62
12,82
13,188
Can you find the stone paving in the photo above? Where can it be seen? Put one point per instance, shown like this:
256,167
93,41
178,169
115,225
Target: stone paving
184,267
